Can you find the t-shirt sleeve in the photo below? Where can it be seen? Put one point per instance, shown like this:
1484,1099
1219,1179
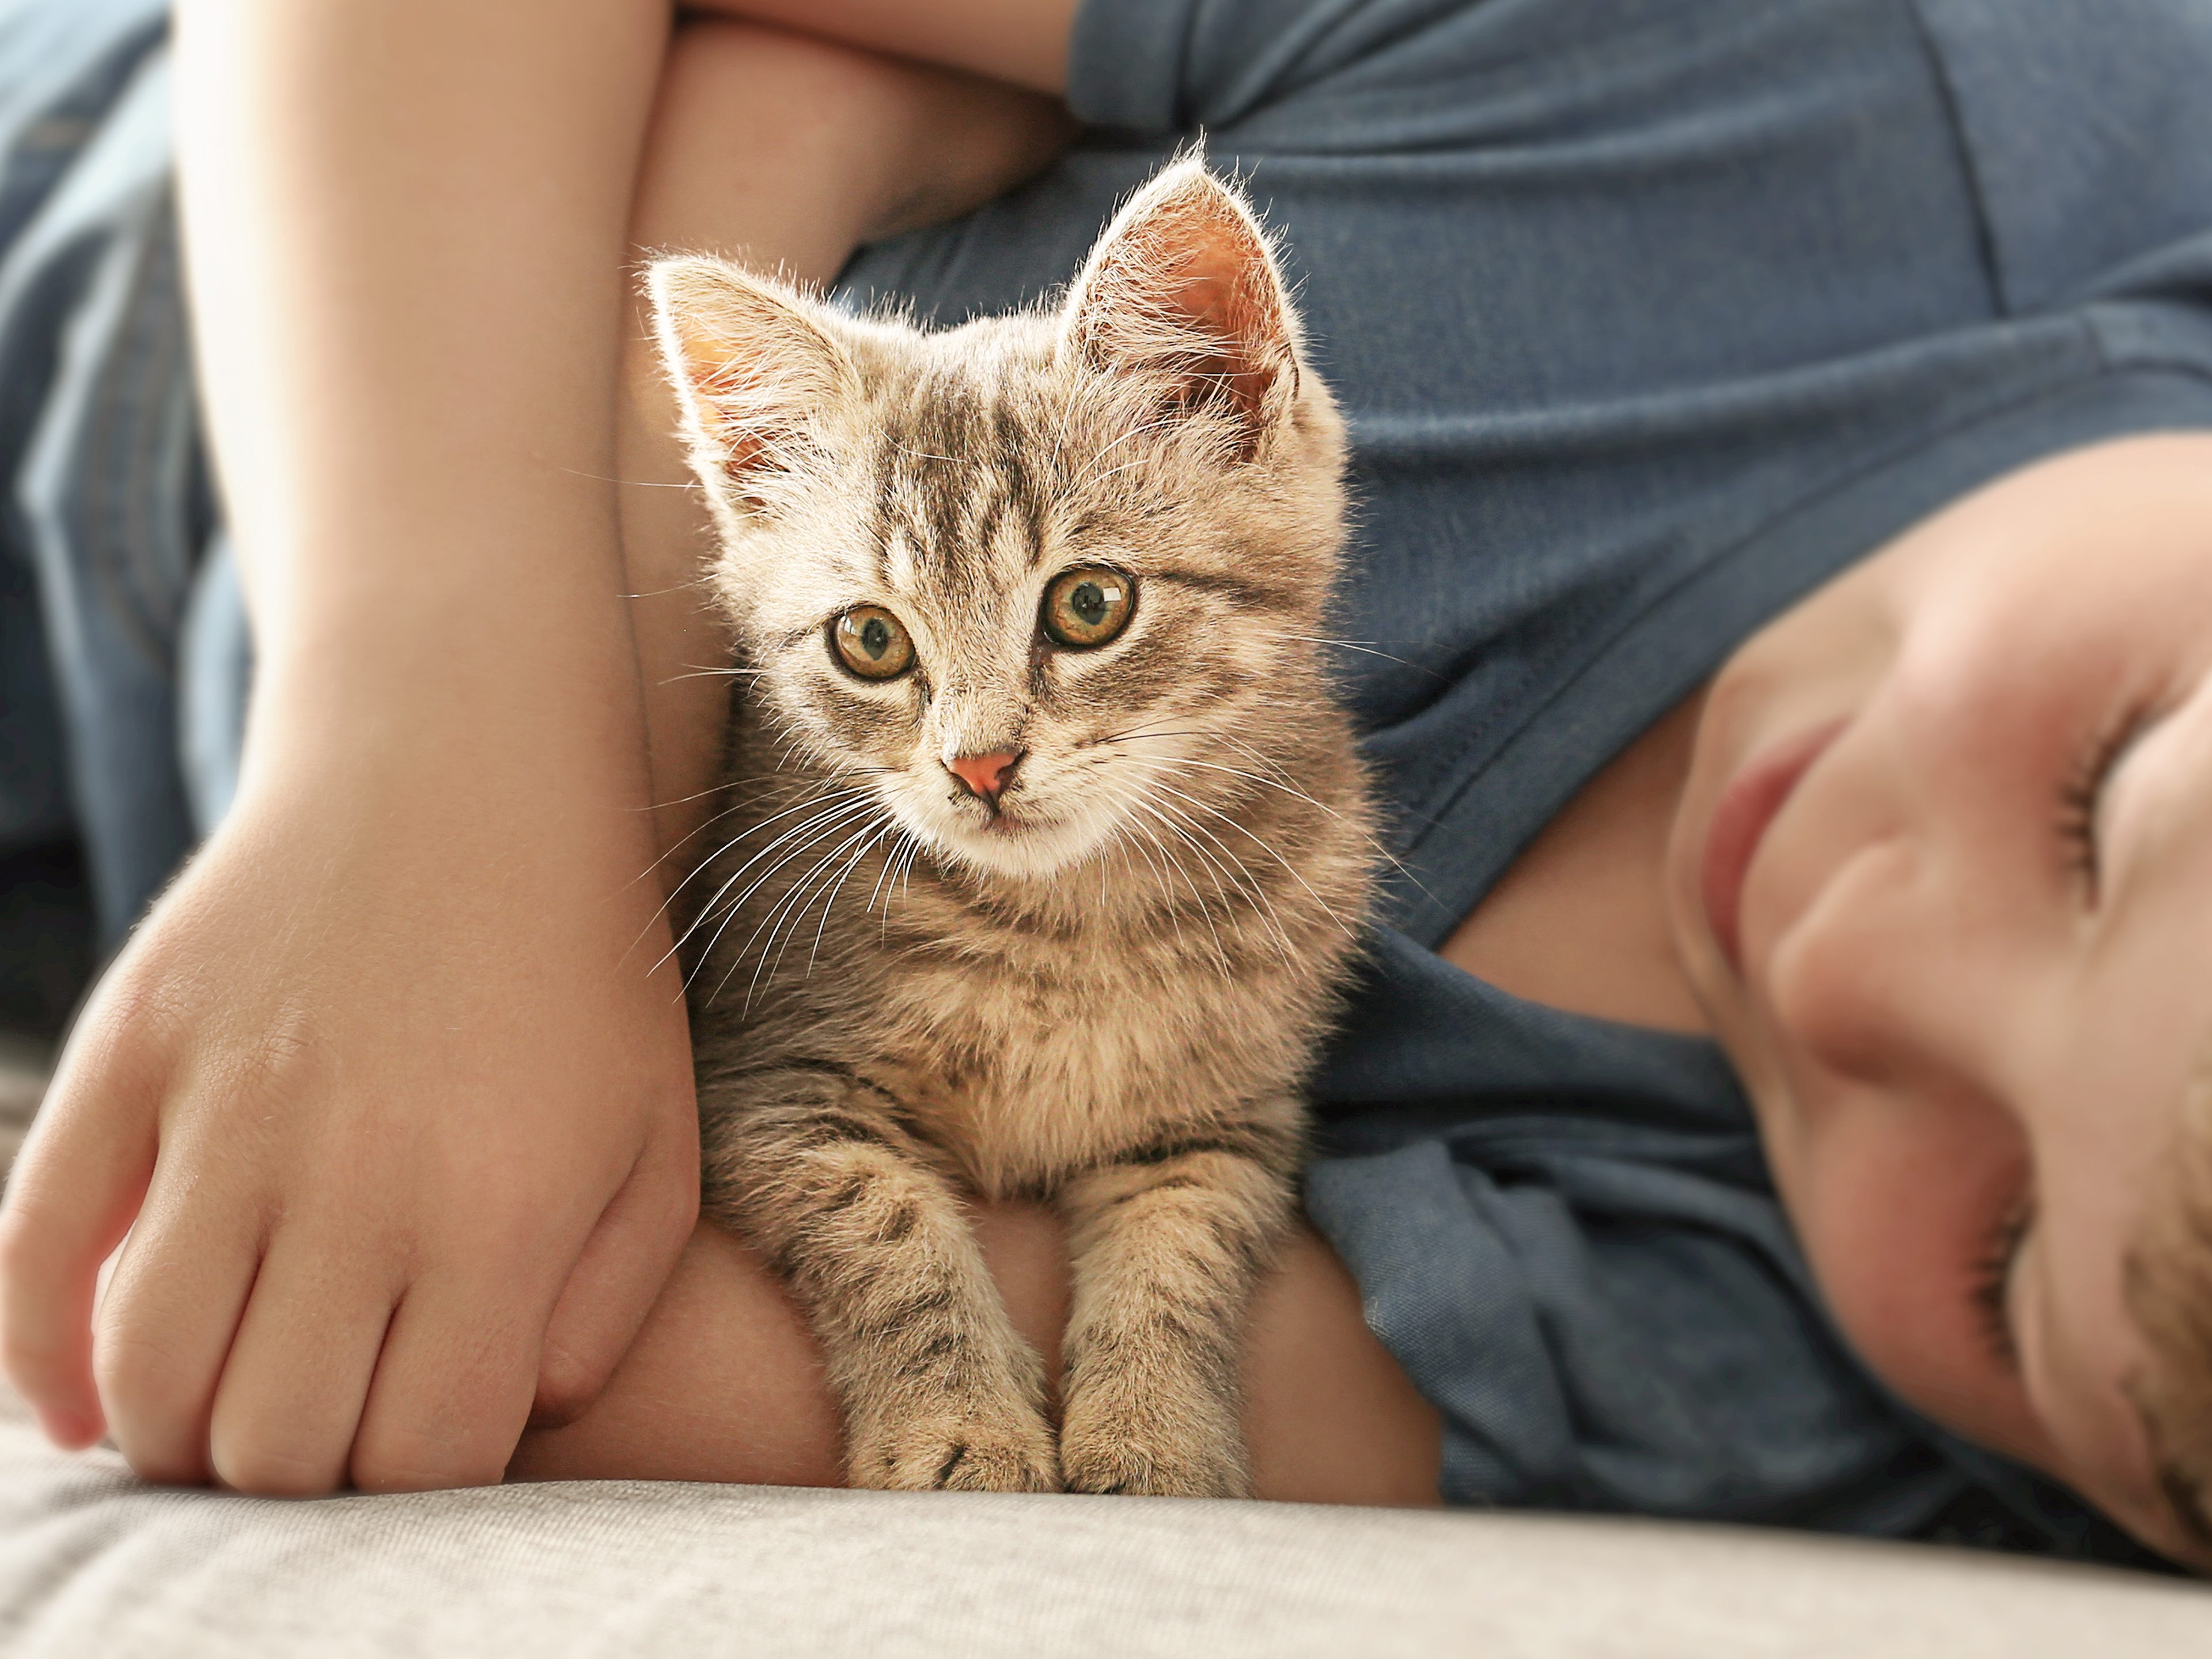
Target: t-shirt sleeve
1171,66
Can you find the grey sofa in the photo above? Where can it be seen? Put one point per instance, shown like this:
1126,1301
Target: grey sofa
94,1563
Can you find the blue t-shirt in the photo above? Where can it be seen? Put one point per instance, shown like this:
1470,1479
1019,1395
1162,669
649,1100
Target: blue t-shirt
1648,316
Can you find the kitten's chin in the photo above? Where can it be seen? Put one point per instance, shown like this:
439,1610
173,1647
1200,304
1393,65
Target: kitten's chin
1023,848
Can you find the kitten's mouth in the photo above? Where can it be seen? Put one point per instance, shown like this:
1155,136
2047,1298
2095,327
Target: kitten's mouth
1024,840
1001,816
1011,822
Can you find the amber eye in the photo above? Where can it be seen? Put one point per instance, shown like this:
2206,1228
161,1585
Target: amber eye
1088,607
871,642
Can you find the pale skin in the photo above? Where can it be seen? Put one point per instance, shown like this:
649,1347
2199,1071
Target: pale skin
409,1112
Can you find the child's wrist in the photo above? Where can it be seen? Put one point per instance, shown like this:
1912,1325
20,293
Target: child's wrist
379,737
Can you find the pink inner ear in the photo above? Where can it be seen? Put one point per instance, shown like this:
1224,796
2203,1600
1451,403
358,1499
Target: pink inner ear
730,378
1235,381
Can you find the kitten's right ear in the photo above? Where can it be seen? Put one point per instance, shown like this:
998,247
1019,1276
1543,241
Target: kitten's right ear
753,369
1183,289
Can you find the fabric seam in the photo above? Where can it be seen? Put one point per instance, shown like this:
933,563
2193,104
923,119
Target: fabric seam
1955,119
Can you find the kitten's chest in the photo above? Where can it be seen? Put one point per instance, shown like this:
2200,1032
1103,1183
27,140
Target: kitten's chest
1026,1064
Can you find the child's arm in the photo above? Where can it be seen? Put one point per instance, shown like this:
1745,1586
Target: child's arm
388,1091
1022,42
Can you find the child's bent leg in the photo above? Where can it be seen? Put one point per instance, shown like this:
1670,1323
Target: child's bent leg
725,1382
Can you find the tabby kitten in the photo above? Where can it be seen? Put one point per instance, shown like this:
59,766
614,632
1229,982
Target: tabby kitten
1050,842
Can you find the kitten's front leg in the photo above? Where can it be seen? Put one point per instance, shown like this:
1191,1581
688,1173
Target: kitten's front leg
939,1389
1167,1249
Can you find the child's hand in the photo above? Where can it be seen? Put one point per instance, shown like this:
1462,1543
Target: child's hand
399,1116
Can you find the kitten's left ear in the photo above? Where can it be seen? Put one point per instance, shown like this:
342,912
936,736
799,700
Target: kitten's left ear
1182,286
754,368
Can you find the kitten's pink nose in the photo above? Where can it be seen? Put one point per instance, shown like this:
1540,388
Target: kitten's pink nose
984,775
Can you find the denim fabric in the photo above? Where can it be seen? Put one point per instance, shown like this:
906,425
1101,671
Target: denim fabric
60,71
1648,316
109,522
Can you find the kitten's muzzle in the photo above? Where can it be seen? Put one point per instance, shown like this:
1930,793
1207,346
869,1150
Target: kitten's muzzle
986,776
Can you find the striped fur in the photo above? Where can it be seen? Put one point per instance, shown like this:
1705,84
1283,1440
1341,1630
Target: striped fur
1105,989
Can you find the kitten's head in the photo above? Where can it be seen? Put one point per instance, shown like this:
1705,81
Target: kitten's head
1043,581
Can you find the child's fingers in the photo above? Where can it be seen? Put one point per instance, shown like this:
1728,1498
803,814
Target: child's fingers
298,1372
453,1385
612,1286
164,1326
75,1187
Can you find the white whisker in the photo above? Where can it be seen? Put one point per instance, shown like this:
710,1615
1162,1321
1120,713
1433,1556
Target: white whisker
890,862
716,673
669,899
850,864
1247,881
1264,845
1365,650
1381,851
789,912
1123,799
776,910
630,484
732,911
817,802
1204,910
815,830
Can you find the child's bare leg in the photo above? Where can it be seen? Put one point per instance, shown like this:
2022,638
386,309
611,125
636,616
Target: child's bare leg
788,152
725,1383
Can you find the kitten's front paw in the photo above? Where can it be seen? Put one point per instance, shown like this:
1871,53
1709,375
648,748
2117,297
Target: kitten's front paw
1004,1449
1130,1446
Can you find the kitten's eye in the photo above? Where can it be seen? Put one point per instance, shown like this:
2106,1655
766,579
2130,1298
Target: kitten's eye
871,642
1088,607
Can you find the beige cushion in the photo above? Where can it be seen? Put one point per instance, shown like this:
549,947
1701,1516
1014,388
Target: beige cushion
93,1563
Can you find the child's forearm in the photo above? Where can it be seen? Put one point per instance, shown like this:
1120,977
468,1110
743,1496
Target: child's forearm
405,224
391,1091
